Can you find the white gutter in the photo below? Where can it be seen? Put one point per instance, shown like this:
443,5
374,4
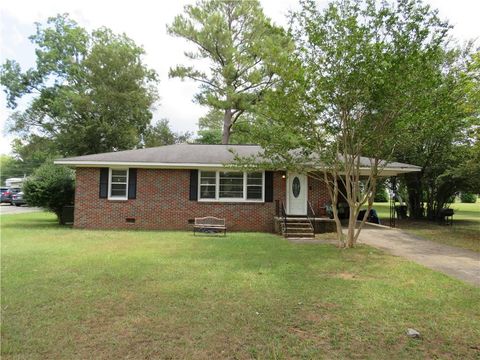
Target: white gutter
151,165
88,163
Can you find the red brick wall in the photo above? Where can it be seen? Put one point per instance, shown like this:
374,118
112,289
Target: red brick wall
163,203
317,195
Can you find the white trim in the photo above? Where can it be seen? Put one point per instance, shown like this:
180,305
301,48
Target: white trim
199,184
141,164
245,186
227,200
110,197
387,171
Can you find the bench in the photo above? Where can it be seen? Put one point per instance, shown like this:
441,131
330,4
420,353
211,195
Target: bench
209,224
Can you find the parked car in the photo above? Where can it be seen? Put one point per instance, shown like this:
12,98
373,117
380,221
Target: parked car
3,194
6,194
17,199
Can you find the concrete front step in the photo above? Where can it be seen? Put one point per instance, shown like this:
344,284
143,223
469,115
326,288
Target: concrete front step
299,228
298,231
297,235
303,223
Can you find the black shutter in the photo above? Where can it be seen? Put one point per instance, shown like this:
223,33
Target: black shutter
103,192
132,183
194,185
268,186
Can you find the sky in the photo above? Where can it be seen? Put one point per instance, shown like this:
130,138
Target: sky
145,22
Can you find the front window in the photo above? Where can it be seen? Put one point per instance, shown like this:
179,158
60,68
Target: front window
118,184
255,186
231,186
208,181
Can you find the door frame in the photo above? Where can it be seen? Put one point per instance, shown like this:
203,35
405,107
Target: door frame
303,183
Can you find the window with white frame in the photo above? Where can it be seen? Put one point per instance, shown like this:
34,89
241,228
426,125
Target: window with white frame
231,185
208,184
255,186
118,184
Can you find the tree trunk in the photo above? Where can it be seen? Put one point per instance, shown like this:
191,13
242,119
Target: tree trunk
227,126
332,188
338,224
413,182
441,200
352,221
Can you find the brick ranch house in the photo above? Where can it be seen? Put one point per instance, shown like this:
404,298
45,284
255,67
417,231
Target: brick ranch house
167,187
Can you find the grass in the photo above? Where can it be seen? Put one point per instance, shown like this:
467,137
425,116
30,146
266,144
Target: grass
123,294
464,233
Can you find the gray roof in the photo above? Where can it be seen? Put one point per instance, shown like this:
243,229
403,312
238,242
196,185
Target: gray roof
184,155
175,154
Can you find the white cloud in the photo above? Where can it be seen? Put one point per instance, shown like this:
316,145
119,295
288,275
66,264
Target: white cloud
145,22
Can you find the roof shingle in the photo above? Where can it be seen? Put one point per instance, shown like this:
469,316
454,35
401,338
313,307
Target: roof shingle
187,154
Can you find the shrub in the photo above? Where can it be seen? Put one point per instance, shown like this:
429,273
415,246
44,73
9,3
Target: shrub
381,194
467,197
50,187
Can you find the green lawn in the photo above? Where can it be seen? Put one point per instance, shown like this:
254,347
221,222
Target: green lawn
464,233
116,294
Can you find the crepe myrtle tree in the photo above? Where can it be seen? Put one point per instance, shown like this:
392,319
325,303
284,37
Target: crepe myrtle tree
350,87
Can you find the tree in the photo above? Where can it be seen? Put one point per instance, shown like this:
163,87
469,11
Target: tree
381,194
452,176
27,156
50,187
211,125
32,151
8,168
442,137
471,78
210,128
467,197
360,68
91,91
160,134
244,51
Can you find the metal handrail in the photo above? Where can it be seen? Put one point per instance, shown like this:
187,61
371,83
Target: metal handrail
284,217
310,213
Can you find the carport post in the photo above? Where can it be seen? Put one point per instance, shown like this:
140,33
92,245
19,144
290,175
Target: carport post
393,181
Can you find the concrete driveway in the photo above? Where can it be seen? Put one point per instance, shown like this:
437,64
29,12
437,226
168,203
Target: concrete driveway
460,263
10,209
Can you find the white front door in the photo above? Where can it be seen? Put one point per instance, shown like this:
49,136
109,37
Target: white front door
296,194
